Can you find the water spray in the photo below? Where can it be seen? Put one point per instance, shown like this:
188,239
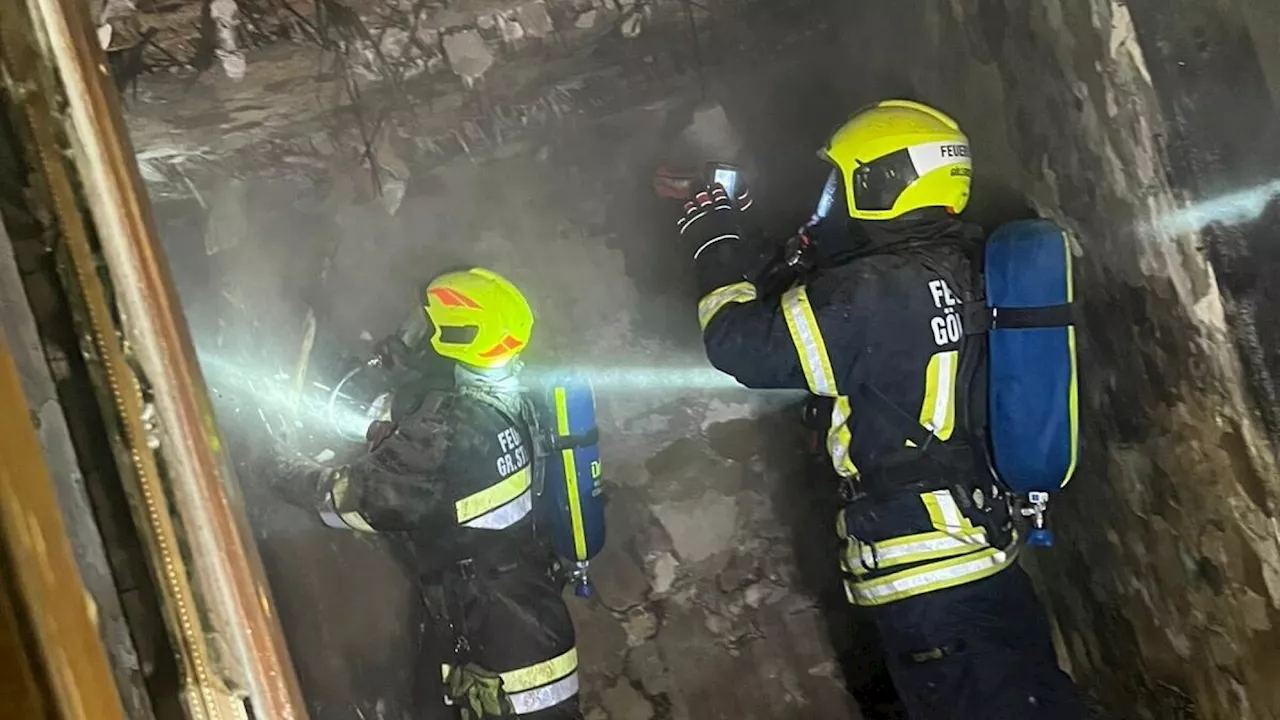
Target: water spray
1231,209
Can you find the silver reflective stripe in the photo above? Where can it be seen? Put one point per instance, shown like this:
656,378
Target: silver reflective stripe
886,554
547,696
331,519
946,376
927,157
944,513
930,578
503,517
807,338
839,437
349,520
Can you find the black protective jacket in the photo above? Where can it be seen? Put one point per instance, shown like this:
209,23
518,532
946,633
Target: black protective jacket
885,309
879,332
454,472
927,540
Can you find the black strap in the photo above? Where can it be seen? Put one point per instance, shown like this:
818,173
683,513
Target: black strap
573,442
910,428
1037,317
903,470
979,319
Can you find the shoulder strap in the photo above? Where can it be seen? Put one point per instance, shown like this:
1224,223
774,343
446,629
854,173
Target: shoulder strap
971,405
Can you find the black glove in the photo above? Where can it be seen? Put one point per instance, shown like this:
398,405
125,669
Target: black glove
789,264
709,218
298,480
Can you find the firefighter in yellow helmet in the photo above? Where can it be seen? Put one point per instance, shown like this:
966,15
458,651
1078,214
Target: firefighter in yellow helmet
451,470
929,543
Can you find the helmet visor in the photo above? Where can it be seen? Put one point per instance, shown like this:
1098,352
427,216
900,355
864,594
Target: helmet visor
878,184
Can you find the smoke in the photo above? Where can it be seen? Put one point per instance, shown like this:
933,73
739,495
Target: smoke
1231,209
710,136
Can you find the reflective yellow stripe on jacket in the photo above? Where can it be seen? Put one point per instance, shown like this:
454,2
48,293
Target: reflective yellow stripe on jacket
930,578
955,553
714,301
498,506
839,438
810,346
811,349
938,411
864,558
539,686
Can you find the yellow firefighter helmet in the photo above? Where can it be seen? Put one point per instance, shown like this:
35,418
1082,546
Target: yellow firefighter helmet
480,319
898,156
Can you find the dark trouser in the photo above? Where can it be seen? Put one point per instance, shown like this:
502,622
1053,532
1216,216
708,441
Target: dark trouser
513,620
981,650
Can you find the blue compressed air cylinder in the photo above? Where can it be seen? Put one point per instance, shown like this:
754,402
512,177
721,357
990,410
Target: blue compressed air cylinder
573,497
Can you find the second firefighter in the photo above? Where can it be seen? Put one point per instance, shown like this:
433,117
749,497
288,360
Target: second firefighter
452,471
876,332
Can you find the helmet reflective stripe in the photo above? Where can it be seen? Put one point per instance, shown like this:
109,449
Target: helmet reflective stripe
452,298
899,156
928,157
878,184
479,318
507,344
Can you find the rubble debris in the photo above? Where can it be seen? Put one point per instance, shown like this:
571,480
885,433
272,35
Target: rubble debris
663,572
645,666
686,467
602,641
618,578
225,15
739,573
468,55
394,42
641,626
535,19
624,702
700,528
512,31
632,25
